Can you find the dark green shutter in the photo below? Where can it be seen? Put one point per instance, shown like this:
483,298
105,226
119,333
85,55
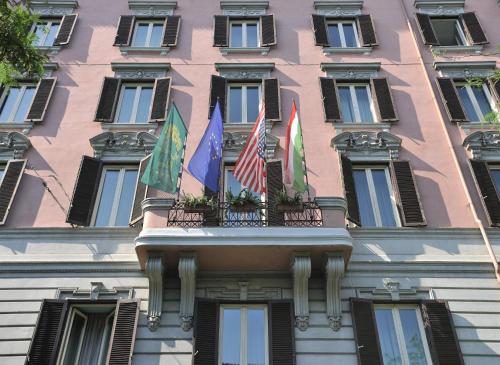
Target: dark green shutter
274,186
8,186
384,101
141,192
121,343
124,30
108,100
365,332
486,188
350,191
366,30
218,85
206,332
331,103
272,99
451,101
171,32
268,30
85,192
161,95
66,29
221,31
319,29
473,28
427,30
41,100
281,333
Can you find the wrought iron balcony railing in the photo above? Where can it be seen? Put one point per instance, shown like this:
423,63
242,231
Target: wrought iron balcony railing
260,215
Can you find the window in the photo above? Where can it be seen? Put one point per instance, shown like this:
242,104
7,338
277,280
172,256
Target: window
15,103
401,335
356,103
46,32
243,335
377,206
134,103
234,186
243,103
2,172
449,32
115,196
477,101
244,34
87,334
148,34
342,34
494,171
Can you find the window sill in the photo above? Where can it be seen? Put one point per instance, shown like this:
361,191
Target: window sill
466,126
52,50
355,50
264,51
161,51
441,50
149,127
25,128
364,126
238,127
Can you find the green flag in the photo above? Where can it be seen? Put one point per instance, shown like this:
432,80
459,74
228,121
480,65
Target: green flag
165,163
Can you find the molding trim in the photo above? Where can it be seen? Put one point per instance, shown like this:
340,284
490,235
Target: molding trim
470,50
129,50
151,7
440,7
235,141
136,70
347,50
123,145
334,272
368,146
339,8
51,7
331,203
351,70
188,265
13,145
157,204
483,145
244,8
301,268
241,71
461,69
155,270
264,51
96,291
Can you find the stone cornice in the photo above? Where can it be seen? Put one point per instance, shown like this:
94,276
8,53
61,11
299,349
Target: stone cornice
140,70
244,8
368,146
338,8
13,145
152,7
53,7
245,70
363,70
483,145
123,145
461,69
440,7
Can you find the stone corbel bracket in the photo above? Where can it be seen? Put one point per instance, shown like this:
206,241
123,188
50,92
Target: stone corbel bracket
301,268
188,265
334,271
155,270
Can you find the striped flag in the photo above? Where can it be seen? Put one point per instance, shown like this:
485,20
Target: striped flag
250,169
294,170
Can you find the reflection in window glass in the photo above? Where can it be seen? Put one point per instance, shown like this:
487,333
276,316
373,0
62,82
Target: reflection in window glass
45,33
495,175
107,198
141,34
387,337
237,35
475,101
16,104
24,105
256,337
252,35
235,97
383,198
156,34
75,339
127,104
231,339
349,35
126,198
334,35
413,339
2,172
346,104
144,104
51,35
9,103
244,34
364,106
243,103
252,104
134,105
364,201
482,100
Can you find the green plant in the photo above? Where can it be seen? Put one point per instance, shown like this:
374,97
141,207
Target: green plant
245,197
283,198
492,117
191,201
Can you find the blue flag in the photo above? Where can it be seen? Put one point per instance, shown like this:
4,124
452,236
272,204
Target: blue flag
205,163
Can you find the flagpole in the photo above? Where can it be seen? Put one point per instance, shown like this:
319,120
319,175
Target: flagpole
303,153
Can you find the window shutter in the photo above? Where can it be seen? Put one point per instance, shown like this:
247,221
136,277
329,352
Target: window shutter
124,30
41,100
268,32
366,30
487,190
48,332
407,195
206,332
274,186
384,101
365,332
217,91
221,31
108,100
350,191
66,29
494,86
427,30
8,186
210,218
272,99
319,28
451,100
121,343
440,333
330,100
161,95
141,192
84,194
171,32
281,333
473,29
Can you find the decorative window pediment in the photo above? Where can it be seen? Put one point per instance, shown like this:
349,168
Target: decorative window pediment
94,292
129,70
244,8
53,7
152,7
465,69
13,145
351,70
368,146
339,8
242,71
484,145
123,145
440,7
235,141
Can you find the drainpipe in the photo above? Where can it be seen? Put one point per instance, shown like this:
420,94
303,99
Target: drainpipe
478,221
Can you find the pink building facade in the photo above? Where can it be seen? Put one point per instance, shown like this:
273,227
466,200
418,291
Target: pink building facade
393,257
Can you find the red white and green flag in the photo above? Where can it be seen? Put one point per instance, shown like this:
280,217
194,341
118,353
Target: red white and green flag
294,164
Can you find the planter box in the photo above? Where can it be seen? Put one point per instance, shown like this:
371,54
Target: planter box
288,208
247,208
200,209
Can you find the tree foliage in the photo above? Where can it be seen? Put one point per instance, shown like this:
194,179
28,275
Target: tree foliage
18,56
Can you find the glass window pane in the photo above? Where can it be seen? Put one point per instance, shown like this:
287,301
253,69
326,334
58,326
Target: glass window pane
482,100
156,35
144,104
334,35
40,31
413,339
349,35
107,198
446,31
105,340
232,184
141,33
51,36
252,103
236,35
22,110
363,195
256,337
127,104
495,175
126,198
364,104
231,334
75,336
9,103
252,36
2,172
235,107
383,198
346,104
467,104
387,337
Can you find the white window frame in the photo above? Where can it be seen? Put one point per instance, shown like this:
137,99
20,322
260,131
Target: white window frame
243,328
118,191
474,102
244,101
373,194
46,23
355,105
151,23
399,330
244,38
135,107
67,331
2,171
459,28
13,113
340,24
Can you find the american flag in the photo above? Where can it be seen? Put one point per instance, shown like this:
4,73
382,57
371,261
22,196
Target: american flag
250,168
